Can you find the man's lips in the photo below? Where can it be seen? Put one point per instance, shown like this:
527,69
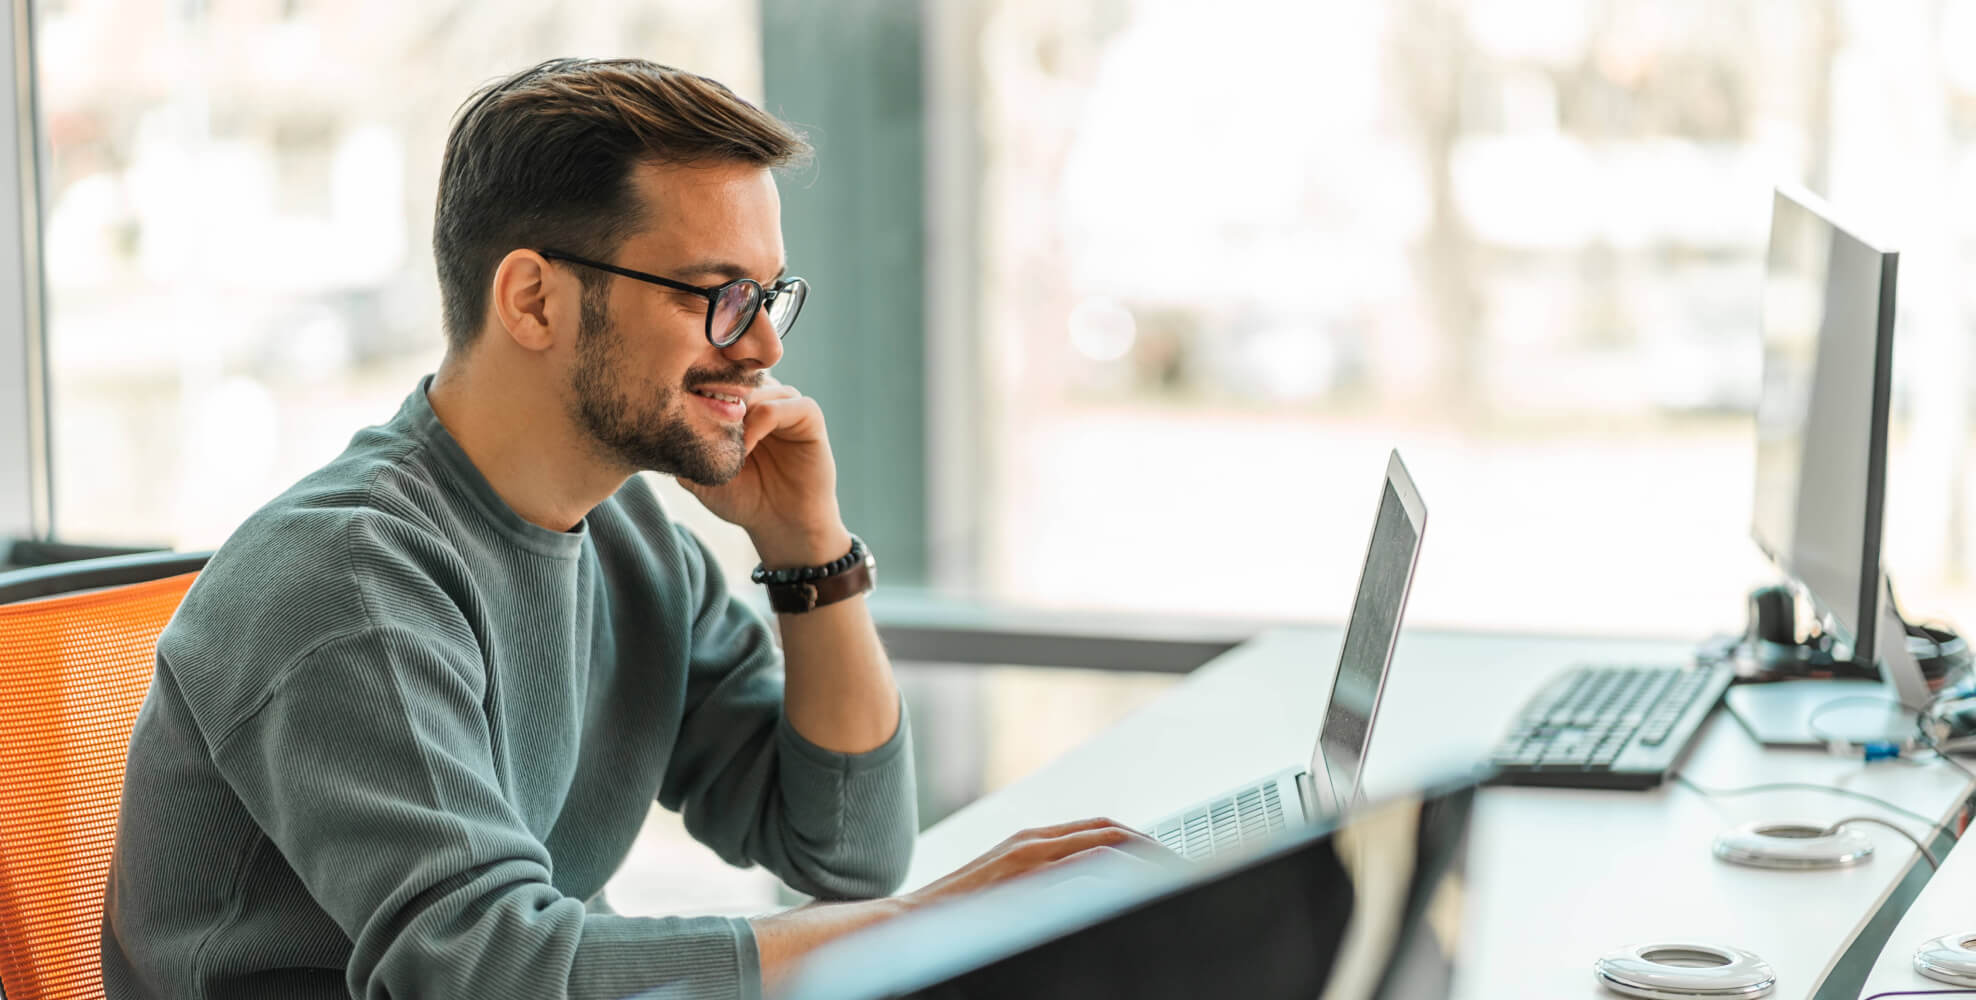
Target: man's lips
725,401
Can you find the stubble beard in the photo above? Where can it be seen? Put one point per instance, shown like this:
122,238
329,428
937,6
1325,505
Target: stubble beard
658,436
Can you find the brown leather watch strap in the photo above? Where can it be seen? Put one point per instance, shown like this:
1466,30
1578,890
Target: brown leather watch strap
797,598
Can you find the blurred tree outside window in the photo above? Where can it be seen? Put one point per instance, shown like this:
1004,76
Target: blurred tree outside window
1234,252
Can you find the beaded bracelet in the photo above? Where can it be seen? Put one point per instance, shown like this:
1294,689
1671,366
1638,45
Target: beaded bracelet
804,574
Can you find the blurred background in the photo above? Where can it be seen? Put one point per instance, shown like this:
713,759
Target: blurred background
1118,304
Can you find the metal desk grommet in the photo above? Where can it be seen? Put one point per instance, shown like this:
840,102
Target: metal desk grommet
1792,846
1685,971
1948,959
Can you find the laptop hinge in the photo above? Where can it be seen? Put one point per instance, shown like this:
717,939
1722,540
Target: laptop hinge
1315,806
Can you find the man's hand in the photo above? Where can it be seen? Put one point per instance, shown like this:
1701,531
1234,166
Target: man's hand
786,493
785,937
1046,849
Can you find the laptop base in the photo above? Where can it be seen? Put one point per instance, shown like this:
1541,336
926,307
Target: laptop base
1248,816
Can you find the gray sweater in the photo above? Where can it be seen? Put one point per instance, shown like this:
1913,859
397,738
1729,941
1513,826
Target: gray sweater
399,738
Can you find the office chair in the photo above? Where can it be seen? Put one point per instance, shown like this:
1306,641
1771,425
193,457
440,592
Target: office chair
77,646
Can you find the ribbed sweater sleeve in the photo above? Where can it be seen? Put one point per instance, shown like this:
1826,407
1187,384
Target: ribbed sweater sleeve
369,768
832,825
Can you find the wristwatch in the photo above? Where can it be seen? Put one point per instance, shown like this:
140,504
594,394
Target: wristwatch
806,588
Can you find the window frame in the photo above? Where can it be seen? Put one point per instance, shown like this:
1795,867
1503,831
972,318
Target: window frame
26,500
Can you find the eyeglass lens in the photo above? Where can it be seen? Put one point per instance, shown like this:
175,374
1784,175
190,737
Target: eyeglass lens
788,301
735,309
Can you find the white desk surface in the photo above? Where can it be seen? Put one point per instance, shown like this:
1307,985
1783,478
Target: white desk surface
1946,906
1558,877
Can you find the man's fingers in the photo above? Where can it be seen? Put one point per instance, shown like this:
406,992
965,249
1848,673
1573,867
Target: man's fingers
1073,826
1037,853
1096,830
1105,854
772,390
799,414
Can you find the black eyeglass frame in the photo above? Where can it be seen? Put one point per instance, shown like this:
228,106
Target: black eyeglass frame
764,296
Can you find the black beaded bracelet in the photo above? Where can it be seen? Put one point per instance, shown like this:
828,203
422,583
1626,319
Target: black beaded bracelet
804,574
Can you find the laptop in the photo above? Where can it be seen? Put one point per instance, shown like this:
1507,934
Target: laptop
1361,907
1298,797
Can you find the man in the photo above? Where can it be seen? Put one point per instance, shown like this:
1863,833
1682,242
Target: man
410,718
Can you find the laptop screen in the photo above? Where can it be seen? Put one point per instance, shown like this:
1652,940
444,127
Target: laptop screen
1370,633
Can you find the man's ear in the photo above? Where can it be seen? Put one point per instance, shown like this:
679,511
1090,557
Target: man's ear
534,302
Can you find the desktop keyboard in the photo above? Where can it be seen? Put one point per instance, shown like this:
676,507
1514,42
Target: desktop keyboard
1608,726
1249,816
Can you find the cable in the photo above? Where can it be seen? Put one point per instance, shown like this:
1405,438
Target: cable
1917,993
1928,739
1921,730
1886,748
1946,759
1933,865
1934,829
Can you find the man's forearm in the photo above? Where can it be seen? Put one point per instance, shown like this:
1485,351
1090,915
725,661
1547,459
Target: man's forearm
784,938
840,693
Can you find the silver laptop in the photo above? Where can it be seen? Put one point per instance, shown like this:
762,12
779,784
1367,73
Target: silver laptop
1298,797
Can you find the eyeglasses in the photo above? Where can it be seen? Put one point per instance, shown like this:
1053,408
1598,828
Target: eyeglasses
731,307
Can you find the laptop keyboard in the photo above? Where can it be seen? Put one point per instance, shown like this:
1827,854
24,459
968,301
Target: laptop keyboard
1247,817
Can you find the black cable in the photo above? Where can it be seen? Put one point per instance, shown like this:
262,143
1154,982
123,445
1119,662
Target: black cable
1934,828
1921,728
1926,855
1928,739
1916,993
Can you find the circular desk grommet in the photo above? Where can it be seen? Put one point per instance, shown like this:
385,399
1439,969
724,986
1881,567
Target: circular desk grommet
1950,959
1684,971
1792,846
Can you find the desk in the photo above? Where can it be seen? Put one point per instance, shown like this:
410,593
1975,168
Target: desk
1946,906
1558,877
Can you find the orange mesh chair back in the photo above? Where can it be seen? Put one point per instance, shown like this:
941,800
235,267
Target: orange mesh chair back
73,670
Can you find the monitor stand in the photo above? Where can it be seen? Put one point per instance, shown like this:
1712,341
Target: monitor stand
1815,713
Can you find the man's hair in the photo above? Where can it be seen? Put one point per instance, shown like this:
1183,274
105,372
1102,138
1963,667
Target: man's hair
544,158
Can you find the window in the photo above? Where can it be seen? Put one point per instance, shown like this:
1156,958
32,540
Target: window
238,216
1233,252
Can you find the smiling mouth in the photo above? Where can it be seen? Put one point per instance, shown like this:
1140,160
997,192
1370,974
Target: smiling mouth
721,396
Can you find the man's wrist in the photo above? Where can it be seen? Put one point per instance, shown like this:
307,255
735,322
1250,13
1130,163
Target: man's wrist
783,938
793,548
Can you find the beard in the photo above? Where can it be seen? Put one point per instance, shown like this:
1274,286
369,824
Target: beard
642,428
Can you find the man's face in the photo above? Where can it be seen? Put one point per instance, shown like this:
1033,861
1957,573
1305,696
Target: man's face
643,369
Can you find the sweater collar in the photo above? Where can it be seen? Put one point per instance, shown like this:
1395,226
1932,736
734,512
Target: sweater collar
418,420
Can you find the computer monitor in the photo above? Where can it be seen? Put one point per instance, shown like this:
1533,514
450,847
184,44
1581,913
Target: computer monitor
1370,632
1365,906
1822,416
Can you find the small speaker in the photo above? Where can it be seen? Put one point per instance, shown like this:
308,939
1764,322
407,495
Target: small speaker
1792,846
1684,971
1949,959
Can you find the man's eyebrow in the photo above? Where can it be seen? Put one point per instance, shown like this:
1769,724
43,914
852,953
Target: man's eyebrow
726,270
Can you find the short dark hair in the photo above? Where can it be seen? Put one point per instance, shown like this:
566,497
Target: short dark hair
545,157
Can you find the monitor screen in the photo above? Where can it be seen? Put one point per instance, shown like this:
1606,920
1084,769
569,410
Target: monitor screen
1821,441
1370,909
1370,633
